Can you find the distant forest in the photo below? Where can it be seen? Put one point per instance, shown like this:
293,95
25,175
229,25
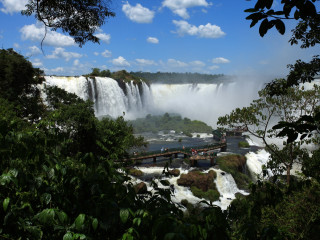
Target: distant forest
177,78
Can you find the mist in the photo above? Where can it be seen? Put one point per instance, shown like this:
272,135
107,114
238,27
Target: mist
205,102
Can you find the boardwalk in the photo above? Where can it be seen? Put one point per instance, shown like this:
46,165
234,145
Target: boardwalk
175,152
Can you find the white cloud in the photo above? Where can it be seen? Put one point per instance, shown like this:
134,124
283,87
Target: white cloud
61,53
145,62
153,40
16,45
37,32
179,7
54,70
37,63
120,62
197,64
33,51
106,54
214,67
203,31
96,53
76,62
104,37
138,13
176,63
220,60
11,6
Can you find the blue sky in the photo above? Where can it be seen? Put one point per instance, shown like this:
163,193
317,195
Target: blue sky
205,36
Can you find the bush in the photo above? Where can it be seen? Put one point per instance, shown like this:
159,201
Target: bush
234,165
243,144
211,194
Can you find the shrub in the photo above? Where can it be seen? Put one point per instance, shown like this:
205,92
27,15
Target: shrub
243,144
211,194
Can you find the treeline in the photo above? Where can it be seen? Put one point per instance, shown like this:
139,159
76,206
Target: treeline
118,75
160,77
178,78
169,122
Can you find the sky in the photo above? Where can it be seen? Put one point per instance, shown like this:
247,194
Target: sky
204,36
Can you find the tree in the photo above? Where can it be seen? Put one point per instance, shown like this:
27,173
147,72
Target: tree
262,113
80,19
18,83
306,32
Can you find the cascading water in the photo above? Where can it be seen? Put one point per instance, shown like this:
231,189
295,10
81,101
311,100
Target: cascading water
205,102
106,94
224,182
227,188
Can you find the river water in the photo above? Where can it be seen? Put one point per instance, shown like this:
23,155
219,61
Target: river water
153,171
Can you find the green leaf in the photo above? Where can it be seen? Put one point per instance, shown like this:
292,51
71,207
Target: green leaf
264,27
68,236
62,216
46,216
165,183
6,203
80,221
296,15
269,3
280,27
250,10
124,215
46,198
95,224
169,236
137,221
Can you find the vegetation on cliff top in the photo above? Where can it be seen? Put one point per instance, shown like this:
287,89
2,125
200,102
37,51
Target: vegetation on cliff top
180,78
169,122
122,75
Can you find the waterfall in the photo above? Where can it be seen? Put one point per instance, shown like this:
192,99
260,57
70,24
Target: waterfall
106,94
204,102
227,188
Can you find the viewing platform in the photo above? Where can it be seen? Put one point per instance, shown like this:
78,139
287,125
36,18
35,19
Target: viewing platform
186,153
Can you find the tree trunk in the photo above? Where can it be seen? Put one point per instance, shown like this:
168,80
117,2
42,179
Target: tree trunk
288,175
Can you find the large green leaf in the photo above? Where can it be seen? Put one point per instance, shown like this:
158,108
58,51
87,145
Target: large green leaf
124,215
79,222
6,203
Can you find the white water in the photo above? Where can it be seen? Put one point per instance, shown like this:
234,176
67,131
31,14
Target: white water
227,188
204,102
107,96
225,185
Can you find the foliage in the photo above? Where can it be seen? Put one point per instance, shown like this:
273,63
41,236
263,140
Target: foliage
235,164
168,122
274,211
259,116
211,195
243,144
80,19
18,81
96,72
306,32
58,179
179,78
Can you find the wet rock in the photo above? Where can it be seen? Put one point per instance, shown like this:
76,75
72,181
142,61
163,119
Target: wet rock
174,172
203,181
135,172
141,188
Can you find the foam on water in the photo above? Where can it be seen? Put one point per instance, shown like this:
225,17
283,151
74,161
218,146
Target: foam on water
255,162
224,182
